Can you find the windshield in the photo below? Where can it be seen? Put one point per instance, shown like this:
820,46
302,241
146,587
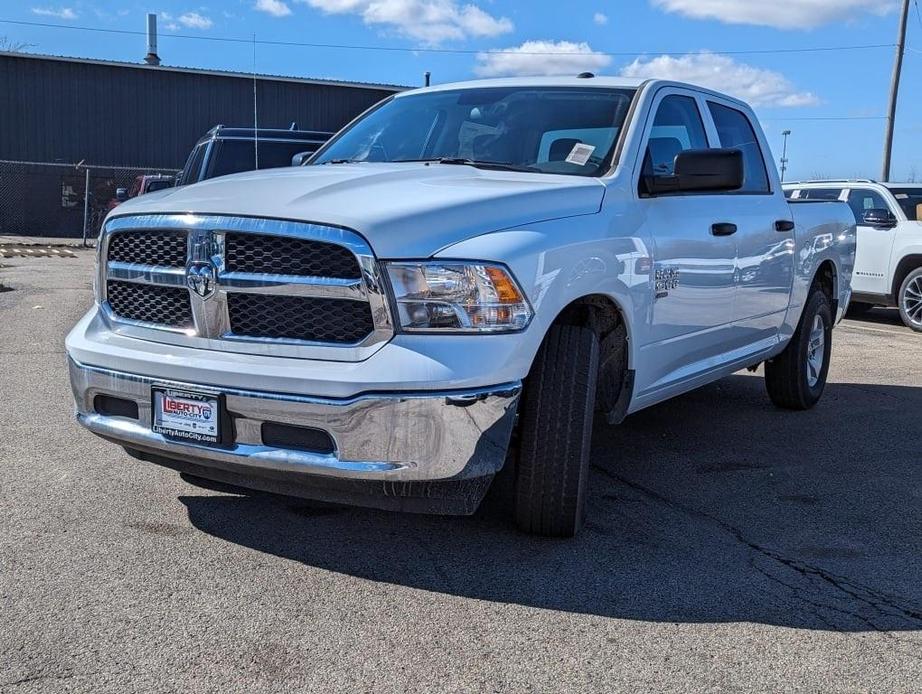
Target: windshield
910,199
545,130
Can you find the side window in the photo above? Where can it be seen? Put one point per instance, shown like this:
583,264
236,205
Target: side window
735,131
861,200
821,194
676,128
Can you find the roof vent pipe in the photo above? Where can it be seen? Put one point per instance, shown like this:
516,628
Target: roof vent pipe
152,58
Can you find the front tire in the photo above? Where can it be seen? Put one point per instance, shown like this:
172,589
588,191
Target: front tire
556,431
796,378
910,300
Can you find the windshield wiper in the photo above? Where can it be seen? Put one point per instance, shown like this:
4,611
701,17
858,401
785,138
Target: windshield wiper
342,161
498,165
464,161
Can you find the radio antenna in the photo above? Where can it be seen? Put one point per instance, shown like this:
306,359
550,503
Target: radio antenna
255,111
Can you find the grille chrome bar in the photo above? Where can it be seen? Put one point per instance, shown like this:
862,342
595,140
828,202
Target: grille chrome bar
206,236
294,285
146,274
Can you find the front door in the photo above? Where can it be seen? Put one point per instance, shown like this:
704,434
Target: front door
872,255
693,283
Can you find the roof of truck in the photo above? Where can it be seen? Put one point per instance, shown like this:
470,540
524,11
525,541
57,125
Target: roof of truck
586,80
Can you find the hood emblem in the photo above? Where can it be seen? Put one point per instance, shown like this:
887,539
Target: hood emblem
202,278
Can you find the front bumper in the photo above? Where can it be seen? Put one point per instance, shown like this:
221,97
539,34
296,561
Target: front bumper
384,437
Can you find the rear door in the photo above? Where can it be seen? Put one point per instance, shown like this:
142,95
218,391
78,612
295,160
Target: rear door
764,237
872,256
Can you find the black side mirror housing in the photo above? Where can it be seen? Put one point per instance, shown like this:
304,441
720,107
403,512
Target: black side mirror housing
879,219
300,158
701,171
159,184
121,194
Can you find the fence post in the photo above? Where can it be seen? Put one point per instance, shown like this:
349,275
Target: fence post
86,205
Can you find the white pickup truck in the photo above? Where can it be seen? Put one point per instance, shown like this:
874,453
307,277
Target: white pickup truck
453,287
888,262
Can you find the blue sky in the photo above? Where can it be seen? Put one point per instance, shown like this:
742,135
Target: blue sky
716,42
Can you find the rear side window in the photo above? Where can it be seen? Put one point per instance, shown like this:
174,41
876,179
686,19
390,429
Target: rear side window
735,131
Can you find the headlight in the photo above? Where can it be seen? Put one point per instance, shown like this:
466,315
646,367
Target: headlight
456,296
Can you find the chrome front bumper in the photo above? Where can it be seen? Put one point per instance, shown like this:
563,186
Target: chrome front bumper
388,437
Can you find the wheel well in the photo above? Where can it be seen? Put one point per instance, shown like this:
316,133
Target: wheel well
907,265
595,311
826,279
616,379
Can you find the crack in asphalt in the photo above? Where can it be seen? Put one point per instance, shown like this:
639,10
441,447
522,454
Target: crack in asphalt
885,605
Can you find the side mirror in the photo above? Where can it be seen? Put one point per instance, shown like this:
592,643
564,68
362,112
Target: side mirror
121,194
300,158
702,171
879,219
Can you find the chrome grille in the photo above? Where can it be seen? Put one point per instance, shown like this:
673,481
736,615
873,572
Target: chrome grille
312,291
150,304
281,255
162,248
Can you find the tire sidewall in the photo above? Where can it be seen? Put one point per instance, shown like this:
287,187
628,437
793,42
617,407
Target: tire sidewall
903,315
817,305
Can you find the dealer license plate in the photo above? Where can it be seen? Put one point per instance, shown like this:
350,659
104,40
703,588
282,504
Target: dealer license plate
187,415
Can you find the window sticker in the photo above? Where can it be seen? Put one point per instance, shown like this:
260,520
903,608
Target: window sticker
580,154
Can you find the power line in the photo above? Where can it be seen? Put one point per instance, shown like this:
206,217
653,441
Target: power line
460,51
826,118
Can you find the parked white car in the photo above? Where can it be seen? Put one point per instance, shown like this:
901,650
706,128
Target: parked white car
888,264
463,266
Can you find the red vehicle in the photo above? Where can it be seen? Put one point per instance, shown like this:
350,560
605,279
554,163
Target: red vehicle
141,185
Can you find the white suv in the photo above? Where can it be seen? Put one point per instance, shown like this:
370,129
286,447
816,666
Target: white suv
888,265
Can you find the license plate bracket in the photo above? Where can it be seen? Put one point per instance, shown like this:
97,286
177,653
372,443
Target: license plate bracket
187,415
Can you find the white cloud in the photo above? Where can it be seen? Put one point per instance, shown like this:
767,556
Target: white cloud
782,14
541,58
429,21
757,86
600,19
58,13
193,20
276,8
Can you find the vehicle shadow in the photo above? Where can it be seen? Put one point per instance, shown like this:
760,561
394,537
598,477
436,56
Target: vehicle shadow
714,507
880,316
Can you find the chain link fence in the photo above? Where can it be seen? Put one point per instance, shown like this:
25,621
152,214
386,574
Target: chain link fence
65,200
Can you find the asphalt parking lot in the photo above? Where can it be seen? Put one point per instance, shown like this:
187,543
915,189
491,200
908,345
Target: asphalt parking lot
731,546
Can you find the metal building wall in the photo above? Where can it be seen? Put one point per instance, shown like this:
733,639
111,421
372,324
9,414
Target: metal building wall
60,110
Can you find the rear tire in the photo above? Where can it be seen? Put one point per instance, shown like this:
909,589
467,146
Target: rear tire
556,431
910,300
796,378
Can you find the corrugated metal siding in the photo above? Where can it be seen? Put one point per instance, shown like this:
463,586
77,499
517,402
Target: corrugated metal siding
67,111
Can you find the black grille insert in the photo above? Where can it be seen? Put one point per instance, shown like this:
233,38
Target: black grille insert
282,255
150,303
297,438
337,321
163,248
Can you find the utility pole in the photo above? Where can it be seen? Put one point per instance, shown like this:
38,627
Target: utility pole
895,91
784,154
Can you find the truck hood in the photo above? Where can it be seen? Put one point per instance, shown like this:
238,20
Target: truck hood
404,210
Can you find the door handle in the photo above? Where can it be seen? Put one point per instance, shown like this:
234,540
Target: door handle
723,229
784,225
